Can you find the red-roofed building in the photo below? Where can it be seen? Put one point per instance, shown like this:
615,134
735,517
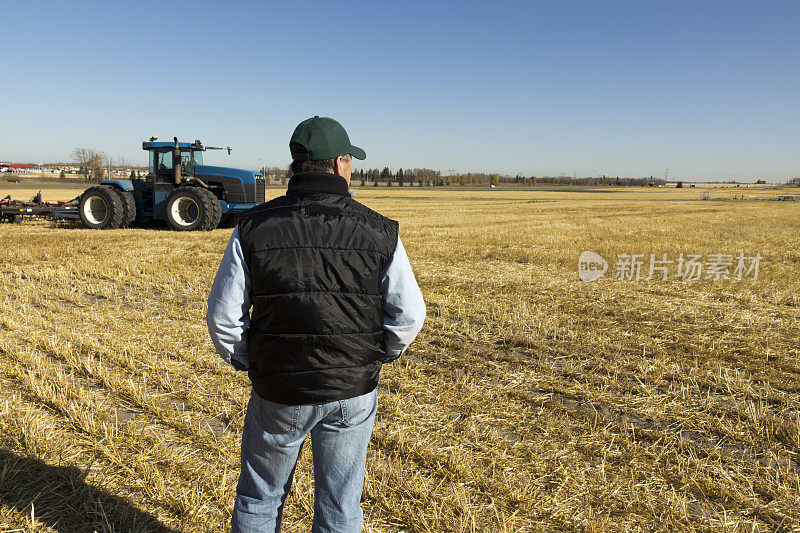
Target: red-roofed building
11,167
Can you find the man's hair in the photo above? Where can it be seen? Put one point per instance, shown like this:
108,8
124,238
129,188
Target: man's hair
320,165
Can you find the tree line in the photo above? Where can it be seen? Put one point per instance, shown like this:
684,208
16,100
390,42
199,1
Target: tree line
428,177
94,164
420,177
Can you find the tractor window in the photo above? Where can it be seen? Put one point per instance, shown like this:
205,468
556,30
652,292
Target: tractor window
165,159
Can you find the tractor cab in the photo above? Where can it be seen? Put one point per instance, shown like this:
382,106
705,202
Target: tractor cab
163,159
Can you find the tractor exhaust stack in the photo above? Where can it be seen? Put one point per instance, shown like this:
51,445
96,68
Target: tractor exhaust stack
176,162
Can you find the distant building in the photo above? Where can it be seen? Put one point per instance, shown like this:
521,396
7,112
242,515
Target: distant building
17,167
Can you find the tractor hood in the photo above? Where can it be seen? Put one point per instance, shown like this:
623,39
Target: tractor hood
245,176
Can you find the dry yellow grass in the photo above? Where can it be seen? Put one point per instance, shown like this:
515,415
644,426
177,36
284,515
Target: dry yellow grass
530,401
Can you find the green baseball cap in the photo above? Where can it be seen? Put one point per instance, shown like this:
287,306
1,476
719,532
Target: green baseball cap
322,138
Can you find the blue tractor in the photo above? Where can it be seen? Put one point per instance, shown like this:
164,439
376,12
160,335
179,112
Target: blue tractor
178,188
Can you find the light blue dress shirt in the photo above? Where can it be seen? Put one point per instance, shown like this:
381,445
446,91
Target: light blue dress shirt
230,300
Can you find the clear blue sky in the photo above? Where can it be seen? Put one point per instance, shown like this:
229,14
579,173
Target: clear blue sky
707,89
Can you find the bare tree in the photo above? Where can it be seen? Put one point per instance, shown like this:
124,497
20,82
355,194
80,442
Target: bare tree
81,157
274,173
97,165
90,161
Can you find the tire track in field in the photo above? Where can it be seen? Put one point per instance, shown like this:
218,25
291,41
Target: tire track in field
155,375
93,375
148,462
577,403
566,398
73,488
554,368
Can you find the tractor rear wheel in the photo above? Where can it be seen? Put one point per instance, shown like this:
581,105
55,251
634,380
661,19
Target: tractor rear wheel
193,208
128,207
101,208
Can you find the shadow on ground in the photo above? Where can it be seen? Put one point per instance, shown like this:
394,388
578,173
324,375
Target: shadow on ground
64,501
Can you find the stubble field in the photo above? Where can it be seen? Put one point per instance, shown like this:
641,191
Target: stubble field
531,401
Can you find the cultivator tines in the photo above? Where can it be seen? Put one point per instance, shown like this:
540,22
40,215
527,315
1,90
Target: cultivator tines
15,210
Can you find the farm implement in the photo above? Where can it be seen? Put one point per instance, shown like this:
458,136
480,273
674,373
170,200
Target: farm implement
178,189
15,211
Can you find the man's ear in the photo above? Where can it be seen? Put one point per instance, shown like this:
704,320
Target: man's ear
337,166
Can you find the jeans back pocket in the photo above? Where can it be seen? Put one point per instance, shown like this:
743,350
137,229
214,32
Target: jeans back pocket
358,409
277,417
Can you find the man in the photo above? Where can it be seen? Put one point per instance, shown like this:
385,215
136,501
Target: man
333,298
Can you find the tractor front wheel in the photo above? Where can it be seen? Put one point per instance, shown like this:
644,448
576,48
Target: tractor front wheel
101,208
192,208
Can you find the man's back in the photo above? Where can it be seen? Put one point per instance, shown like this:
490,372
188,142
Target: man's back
316,257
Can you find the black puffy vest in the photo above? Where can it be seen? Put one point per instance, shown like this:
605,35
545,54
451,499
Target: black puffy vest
315,258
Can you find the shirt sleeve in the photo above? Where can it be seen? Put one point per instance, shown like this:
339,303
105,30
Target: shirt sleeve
403,305
229,303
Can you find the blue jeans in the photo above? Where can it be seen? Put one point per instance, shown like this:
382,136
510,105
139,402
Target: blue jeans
271,441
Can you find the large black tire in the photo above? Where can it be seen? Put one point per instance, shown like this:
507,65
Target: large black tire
128,207
193,208
101,208
16,219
